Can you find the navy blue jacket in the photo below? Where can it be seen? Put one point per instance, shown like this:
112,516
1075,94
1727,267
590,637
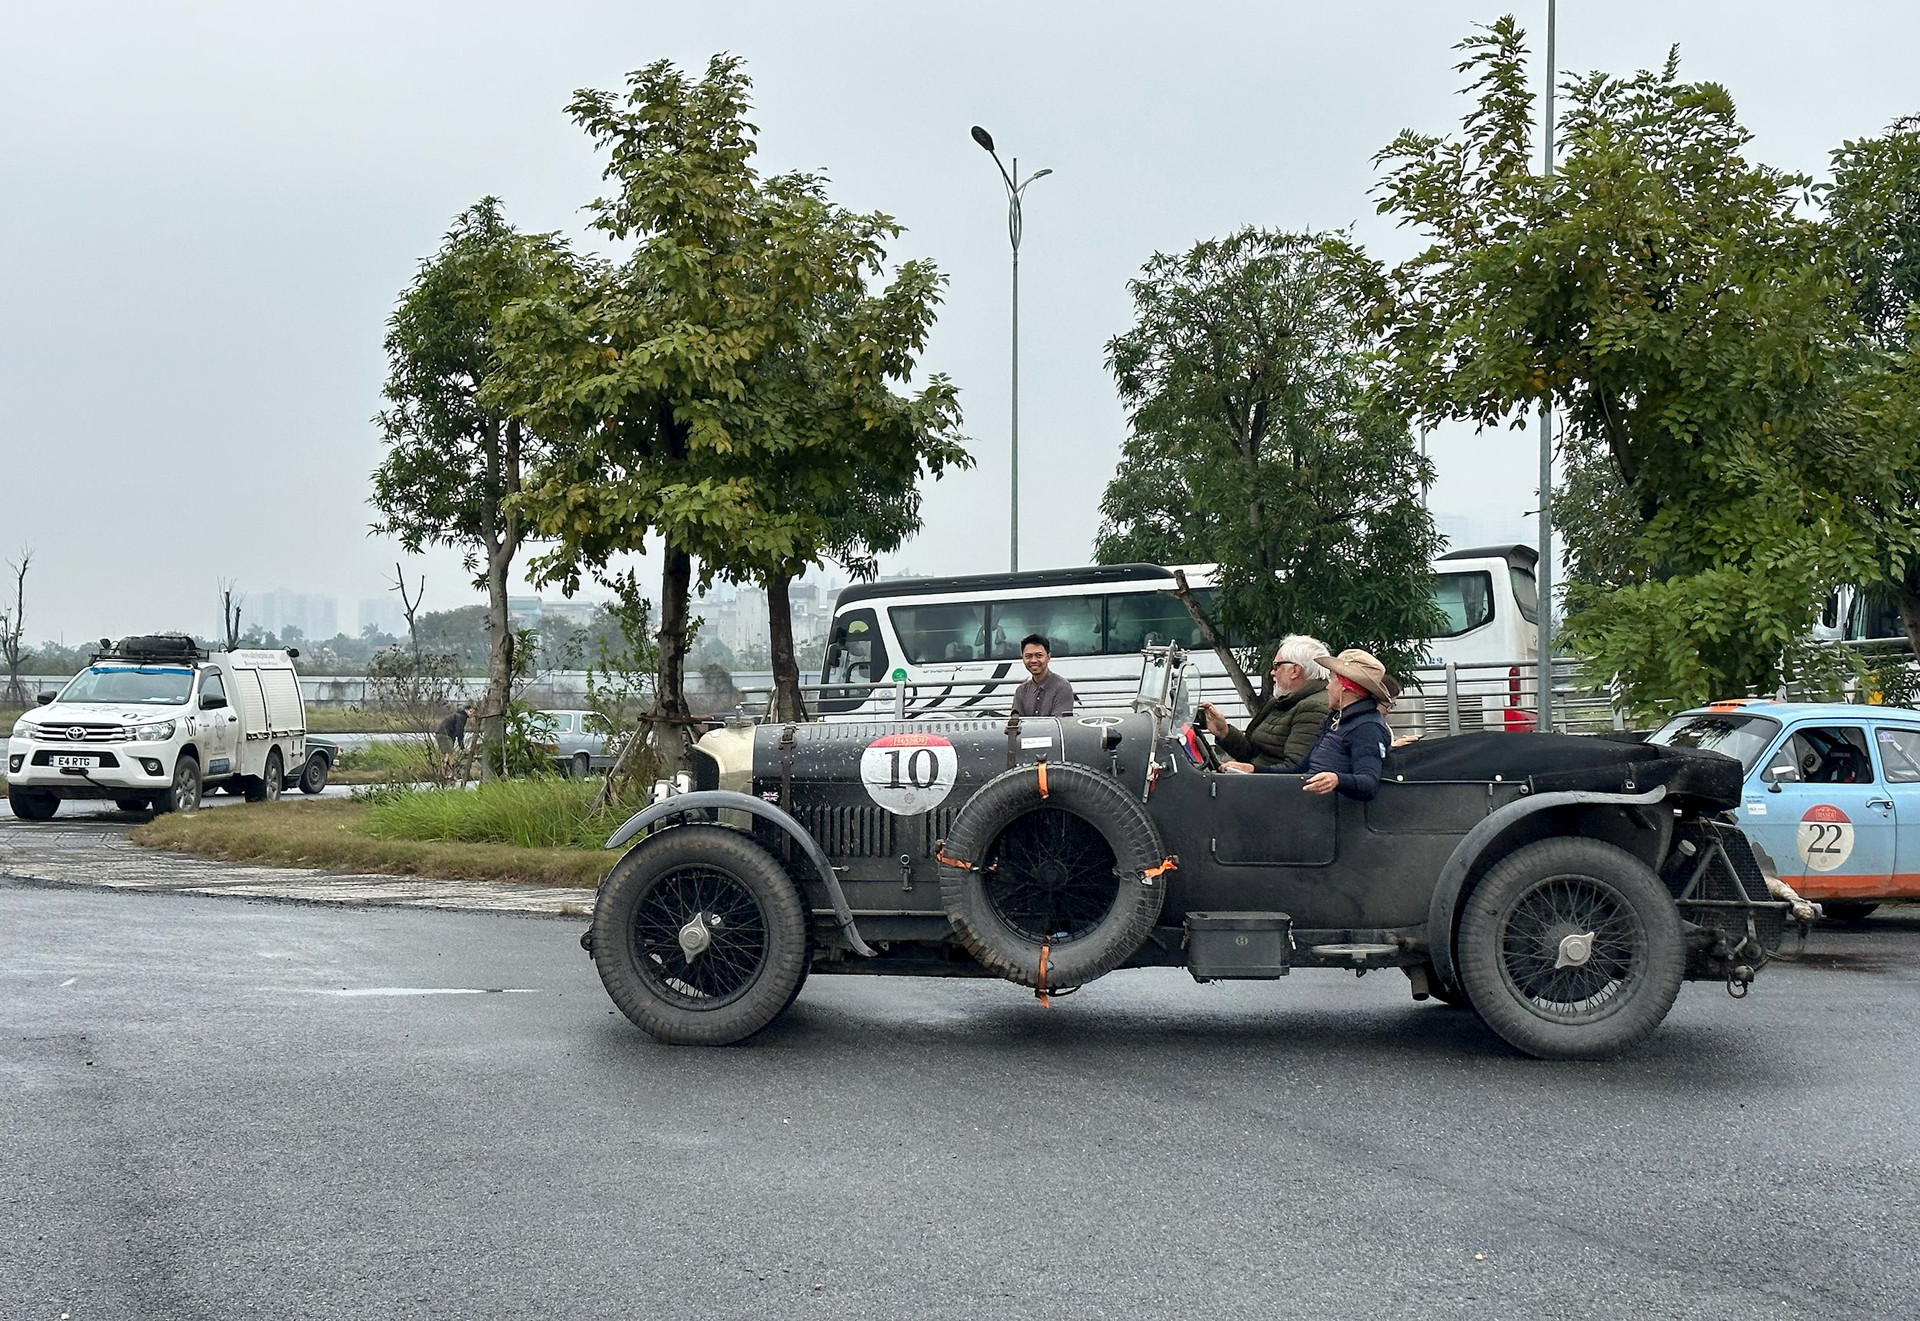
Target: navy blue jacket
1352,744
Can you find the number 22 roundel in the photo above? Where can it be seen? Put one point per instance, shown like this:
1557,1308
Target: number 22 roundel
909,773
1825,837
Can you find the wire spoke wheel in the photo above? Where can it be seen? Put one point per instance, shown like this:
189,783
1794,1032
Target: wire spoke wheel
1607,941
1570,948
730,943
1051,876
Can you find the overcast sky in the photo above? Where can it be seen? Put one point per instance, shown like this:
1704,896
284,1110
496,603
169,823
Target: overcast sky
208,210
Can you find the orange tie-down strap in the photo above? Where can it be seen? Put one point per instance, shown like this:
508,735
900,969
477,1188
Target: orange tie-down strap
1040,983
962,864
1043,778
1169,863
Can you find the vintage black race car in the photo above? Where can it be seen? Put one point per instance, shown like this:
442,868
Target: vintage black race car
1562,886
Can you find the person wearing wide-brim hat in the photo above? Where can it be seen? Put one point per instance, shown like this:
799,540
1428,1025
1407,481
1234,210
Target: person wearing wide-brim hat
1353,742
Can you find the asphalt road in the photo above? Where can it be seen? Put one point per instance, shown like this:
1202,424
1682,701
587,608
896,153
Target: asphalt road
220,1108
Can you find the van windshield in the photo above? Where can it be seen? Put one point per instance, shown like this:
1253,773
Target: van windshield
143,685
1743,738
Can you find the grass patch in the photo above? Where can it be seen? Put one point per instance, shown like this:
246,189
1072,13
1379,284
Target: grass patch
537,814
398,754
333,835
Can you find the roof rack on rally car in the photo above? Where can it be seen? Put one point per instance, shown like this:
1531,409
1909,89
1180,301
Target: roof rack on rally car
157,649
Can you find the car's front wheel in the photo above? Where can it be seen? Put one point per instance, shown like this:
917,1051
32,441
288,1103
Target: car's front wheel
183,795
32,804
699,936
1571,949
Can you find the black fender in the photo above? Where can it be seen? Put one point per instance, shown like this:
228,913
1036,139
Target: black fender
1444,906
739,802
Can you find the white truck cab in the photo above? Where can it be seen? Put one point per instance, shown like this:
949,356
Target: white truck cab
153,721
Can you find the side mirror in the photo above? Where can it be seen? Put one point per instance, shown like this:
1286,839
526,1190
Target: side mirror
212,701
45,699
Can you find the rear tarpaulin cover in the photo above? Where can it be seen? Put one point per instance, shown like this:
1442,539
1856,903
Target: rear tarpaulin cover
1553,763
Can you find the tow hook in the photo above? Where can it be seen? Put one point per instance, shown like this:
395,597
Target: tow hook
1739,980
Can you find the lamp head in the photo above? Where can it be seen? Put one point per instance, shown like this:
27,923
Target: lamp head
1039,174
984,138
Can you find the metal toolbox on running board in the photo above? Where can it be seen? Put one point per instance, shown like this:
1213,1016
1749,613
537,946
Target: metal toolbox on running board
1222,946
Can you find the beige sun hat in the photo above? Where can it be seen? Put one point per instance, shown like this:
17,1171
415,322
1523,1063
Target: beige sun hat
1361,667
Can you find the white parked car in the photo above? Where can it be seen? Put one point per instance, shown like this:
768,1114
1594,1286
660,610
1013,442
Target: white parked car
152,722
580,742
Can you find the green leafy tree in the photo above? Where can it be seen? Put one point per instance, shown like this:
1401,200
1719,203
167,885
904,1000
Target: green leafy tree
1873,203
456,451
1666,294
1261,440
725,386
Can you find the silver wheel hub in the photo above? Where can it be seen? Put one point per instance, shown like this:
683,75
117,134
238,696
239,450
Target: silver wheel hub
1575,950
694,936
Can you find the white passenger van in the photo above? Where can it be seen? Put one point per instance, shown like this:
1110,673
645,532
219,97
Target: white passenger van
956,641
152,722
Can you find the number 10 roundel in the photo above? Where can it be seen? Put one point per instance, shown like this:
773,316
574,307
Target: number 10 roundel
909,773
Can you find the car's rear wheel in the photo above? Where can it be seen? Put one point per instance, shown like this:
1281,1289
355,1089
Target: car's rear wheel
32,804
700,936
313,778
582,765
1052,875
1571,949
1847,910
273,778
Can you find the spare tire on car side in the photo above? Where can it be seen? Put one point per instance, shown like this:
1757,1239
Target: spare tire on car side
1057,863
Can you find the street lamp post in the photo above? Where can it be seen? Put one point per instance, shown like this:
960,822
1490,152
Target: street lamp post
1015,187
1544,605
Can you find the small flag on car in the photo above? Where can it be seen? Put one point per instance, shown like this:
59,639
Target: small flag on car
1190,740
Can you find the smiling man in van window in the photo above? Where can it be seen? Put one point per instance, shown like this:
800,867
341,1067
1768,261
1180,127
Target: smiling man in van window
1046,693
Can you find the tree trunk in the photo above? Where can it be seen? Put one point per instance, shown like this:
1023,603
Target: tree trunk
786,703
500,640
1220,648
670,713
502,542
1907,599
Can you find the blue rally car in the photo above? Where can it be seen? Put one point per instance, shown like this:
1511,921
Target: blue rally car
1832,793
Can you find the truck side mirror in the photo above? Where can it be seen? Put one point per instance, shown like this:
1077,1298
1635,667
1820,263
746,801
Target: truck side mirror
45,699
212,701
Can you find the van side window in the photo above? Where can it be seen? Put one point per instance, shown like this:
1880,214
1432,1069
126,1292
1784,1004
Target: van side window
211,686
1526,593
1827,754
1072,625
1137,616
855,653
1465,599
941,632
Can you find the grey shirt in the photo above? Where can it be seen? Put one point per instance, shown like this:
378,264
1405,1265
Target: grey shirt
1051,696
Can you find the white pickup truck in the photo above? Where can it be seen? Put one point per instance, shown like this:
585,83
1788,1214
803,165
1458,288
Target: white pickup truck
152,722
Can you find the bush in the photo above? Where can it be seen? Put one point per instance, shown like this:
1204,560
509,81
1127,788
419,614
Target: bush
537,814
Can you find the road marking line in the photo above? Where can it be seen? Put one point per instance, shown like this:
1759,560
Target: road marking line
356,991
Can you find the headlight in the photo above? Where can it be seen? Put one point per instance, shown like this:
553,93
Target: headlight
24,729
155,733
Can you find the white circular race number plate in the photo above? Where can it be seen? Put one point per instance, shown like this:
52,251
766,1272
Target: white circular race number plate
909,773
1825,837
